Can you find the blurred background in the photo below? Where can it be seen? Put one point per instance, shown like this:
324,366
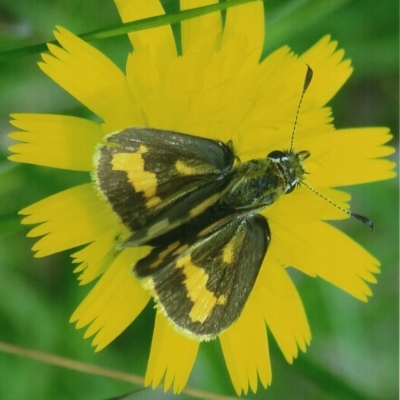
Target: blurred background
354,351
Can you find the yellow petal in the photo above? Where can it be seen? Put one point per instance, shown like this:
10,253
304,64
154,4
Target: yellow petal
89,76
276,96
55,141
245,349
282,309
318,249
69,219
273,95
325,61
96,257
201,34
159,41
303,206
171,354
245,23
353,157
115,301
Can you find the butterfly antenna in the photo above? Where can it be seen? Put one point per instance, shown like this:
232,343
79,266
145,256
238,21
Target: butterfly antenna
362,219
307,81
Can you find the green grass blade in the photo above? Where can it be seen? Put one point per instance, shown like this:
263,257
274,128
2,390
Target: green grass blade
122,29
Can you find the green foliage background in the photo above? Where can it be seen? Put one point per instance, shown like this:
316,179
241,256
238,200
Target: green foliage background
354,351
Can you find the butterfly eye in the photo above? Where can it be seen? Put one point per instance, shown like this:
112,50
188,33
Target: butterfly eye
276,155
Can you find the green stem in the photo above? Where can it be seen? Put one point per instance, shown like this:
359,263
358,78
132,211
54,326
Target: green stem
146,23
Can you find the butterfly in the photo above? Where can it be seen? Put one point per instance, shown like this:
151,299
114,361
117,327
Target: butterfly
197,206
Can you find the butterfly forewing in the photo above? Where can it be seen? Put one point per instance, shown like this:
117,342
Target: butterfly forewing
155,178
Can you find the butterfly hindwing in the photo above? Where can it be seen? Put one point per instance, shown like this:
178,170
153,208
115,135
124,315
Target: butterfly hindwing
203,287
155,179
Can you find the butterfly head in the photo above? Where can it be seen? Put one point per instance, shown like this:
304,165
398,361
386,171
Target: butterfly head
291,166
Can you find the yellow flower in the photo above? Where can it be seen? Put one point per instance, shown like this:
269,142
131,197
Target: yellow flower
218,88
